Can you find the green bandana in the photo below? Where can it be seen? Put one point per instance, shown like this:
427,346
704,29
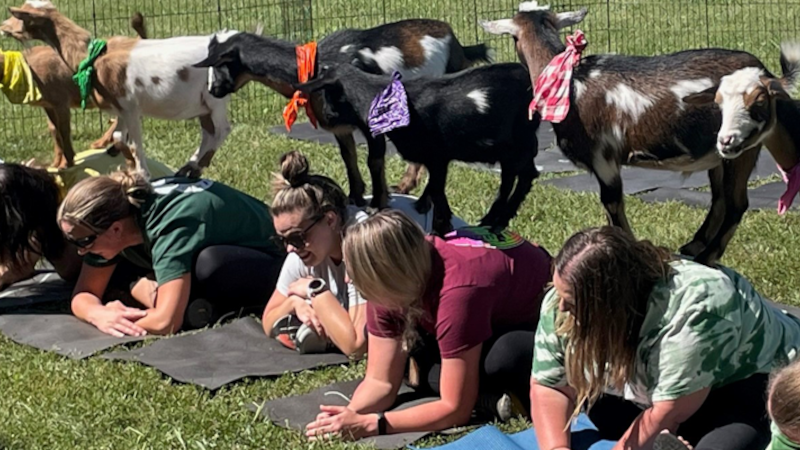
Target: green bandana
83,77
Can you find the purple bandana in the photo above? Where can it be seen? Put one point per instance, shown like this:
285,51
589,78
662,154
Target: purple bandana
389,110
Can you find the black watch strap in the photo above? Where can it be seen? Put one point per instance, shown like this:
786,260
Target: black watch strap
381,424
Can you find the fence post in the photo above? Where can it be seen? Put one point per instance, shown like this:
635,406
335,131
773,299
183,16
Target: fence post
608,25
219,14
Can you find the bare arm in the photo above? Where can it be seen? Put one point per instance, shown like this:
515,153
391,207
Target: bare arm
666,415
551,409
385,367
172,298
114,318
339,324
458,396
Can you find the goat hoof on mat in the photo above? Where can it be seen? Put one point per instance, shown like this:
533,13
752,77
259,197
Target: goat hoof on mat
358,201
190,171
693,248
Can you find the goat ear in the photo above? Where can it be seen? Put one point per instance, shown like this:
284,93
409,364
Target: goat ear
502,26
776,90
259,31
701,98
25,15
318,83
566,19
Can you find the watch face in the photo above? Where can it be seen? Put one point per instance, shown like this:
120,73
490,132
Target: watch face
315,284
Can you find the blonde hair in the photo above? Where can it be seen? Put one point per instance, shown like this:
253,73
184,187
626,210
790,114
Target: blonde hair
389,261
784,397
295,190
97,202
611,276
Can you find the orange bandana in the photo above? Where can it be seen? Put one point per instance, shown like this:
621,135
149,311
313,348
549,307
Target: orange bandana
306,56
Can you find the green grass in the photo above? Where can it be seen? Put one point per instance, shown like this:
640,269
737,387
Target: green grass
50,402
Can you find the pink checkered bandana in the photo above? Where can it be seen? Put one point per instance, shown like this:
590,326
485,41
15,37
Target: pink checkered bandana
551,93
792,180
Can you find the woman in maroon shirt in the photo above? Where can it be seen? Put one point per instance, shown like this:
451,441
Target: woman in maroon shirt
467,307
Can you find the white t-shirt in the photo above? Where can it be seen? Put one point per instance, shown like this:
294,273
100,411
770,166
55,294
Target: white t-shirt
334,274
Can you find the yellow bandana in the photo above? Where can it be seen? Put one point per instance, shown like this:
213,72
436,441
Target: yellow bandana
17,82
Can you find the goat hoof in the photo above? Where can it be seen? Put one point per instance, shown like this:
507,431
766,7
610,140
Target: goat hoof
358,200
693,249
190,170
707,259
423,205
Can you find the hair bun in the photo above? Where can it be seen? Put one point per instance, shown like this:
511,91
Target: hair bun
294,168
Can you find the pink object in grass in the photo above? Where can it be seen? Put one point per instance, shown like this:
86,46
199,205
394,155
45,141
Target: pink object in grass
792,180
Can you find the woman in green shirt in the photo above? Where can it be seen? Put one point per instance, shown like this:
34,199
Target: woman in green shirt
201,240
648,342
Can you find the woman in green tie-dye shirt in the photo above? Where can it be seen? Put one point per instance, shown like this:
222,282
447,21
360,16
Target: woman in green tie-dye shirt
648,342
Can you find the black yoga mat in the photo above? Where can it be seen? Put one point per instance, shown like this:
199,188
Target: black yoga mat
547,161
46,287
762,197
36,312
296,412
59,333
215,357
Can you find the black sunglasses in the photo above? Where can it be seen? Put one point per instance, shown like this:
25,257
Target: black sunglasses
83,242
296,239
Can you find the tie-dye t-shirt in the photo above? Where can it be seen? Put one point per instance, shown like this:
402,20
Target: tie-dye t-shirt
703,328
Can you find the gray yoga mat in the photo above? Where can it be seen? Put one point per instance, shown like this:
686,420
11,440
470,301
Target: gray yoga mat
296,412
46,287
60,333
762,197
215,357
36,312
637,179
547,161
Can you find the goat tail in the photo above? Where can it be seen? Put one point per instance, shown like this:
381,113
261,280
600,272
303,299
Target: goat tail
137,23
478,53
790,64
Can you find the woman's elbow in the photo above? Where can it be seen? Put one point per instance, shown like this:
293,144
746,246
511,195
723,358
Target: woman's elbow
162,326
354,350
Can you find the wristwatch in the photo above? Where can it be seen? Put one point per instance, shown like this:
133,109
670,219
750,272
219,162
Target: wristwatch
316,286
381,424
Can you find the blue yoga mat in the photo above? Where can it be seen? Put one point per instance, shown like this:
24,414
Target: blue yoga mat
584,437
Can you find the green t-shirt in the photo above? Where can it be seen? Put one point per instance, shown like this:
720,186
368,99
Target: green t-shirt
780,441
703,328
184,216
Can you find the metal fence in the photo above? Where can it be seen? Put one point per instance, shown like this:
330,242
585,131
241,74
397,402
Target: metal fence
643,27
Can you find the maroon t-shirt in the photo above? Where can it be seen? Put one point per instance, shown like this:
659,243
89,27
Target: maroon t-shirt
472,293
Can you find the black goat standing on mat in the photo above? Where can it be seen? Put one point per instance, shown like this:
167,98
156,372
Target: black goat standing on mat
415,47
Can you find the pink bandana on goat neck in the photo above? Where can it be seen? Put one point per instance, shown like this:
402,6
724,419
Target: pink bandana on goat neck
551,93
792,180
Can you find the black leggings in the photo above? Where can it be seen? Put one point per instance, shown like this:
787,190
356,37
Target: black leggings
228,278
733,417
505,364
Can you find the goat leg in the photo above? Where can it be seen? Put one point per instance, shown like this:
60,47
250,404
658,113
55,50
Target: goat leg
736,174
498,211
613,201
442,215
347,148
411,179
108,137
376,162
714,218
525,178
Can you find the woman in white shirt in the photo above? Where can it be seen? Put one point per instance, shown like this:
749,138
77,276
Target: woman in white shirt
315,307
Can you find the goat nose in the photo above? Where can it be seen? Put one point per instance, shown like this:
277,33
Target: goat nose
725,140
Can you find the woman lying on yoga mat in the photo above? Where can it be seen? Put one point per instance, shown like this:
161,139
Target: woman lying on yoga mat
313,307
647,343
202,240
466,307
29,199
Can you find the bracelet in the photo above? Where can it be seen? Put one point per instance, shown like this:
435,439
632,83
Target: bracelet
381,424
